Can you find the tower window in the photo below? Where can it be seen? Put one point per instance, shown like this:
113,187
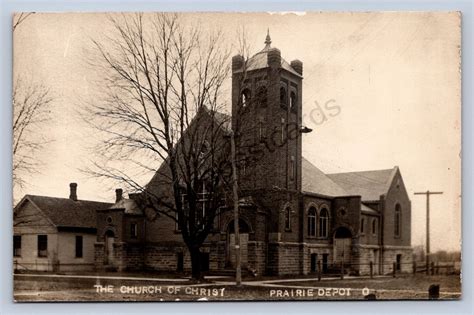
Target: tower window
283,97
293,101
374,226
283,125
292,168
362,224
262,96
246,97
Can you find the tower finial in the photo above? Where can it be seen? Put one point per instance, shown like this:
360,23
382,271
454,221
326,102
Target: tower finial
268,40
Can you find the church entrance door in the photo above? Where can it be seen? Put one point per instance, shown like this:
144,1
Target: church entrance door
342,246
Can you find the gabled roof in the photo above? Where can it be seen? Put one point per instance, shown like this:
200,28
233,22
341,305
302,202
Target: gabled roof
315,181
65,212
370,185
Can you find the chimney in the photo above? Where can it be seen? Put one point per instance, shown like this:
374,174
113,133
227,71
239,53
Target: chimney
73,191
118,194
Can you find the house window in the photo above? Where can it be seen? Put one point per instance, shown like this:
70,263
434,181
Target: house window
16,245
323,223
79,244
312,221
362,224
42,245
133,230
398,219
292,168
374,226
288,219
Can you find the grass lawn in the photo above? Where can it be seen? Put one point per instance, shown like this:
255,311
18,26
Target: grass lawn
46,289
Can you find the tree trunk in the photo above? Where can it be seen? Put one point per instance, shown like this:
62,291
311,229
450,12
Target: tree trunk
195,263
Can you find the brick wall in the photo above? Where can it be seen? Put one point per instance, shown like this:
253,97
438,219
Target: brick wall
397,194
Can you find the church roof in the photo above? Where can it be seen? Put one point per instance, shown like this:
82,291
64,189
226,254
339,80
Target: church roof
315,181
260,59
65,212
368,184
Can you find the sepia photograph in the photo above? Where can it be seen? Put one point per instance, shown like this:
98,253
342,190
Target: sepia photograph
272,156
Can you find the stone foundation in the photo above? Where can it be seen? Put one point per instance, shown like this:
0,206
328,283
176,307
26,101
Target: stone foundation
390,256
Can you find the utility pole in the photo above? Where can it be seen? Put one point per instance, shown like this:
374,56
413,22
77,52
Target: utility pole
238,271
428,193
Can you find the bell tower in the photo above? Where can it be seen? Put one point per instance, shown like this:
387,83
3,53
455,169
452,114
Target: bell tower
266,116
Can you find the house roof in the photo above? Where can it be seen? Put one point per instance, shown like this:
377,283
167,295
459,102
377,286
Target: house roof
65,212
315,181
129,206
370,185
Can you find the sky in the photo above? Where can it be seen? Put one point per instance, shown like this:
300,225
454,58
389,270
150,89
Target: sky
379,90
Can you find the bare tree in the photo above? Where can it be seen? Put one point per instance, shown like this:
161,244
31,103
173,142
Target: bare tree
159,115
30,111
20,18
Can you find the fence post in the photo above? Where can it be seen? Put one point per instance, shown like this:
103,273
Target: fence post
342,270
432,268
394,269
319,270
371,269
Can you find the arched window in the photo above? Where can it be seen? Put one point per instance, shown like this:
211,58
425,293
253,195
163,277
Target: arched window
398,219
362,224
312,221
262,96
323,223
293,101
374,226
246,95
283,97
288,218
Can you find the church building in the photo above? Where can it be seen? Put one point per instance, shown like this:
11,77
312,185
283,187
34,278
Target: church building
293,216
